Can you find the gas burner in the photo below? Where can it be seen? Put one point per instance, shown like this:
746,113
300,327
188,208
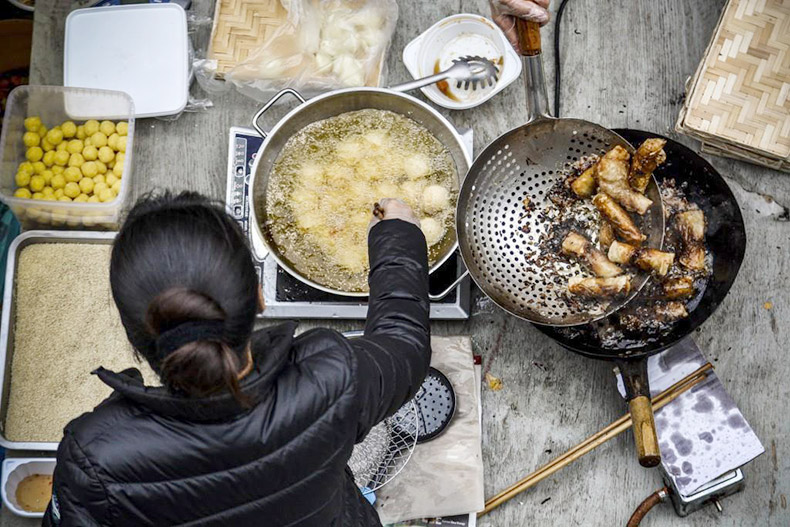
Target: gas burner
287,297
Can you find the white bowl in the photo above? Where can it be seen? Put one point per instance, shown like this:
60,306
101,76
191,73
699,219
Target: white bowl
17,469
420,55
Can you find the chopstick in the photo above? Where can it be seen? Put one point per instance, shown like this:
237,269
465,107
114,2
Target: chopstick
595,440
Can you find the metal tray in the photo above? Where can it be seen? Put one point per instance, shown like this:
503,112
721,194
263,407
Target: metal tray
9,315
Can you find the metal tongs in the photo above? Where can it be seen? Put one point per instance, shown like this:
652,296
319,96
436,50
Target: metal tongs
469,71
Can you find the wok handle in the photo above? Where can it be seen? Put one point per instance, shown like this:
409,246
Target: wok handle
269,104
450,289
528,37
637,393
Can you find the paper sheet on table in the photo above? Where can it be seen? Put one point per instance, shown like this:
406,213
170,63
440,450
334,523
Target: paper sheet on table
702,434
444,477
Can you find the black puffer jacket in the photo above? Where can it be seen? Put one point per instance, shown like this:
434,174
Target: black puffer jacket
146,457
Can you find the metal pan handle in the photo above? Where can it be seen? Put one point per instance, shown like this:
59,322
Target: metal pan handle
440,296
269,104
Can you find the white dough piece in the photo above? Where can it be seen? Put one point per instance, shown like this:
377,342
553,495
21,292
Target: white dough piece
432,229
416,166
350,150
311,174
377,138
435,199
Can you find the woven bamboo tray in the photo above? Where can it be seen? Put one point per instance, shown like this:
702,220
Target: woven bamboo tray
240,27
738,101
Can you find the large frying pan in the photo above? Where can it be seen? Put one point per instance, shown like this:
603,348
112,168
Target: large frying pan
726,241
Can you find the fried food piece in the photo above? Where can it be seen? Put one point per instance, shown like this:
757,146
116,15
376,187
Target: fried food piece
612,176
677,288
691,227
577,245
648,156
606,235
654,260
584,185
599,287
621,253
623,225
666,312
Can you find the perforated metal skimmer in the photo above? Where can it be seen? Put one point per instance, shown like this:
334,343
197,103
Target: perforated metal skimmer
500,238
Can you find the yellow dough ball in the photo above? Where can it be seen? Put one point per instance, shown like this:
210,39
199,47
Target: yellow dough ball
87,141
122,144
55,136
72,174
76,160
42,131
118,169
64,198
39,167
37,183
37,195
46,146
106,195
49,158
93,199
72,190
22,193
99,187
74,146
107,128
31,139
112,141
57,169
90,153
111,179
62,158
98,140
122,128
86,185
34,153
80,132
32,123
22,179
58,181
47,175
58,193
91,126
89,169
25,166
120,157
69,129
49,197
82,198
100,179
48,191
62,147
105,154
116,187
101,167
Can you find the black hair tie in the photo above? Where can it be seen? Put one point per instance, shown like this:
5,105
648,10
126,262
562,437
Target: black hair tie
188,332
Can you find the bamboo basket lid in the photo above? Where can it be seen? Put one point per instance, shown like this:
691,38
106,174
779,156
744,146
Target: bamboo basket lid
738,102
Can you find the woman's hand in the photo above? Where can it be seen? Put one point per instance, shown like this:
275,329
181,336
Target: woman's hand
393,209
505,13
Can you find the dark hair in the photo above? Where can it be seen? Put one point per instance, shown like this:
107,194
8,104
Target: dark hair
181,259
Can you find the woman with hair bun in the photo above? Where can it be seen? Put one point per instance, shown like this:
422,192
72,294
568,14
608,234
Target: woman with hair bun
249,428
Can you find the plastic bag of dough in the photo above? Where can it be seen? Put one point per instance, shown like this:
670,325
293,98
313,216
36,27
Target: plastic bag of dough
321,45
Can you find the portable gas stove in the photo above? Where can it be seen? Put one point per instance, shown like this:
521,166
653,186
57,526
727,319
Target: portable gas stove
287,297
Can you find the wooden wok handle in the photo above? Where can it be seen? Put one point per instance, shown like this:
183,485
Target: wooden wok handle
644,431
528,37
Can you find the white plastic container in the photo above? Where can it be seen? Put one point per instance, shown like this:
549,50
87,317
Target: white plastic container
445,40
17,469
141,49
55,104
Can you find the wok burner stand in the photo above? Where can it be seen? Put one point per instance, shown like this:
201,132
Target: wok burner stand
287,297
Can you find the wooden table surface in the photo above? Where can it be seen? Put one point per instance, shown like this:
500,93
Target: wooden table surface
625,63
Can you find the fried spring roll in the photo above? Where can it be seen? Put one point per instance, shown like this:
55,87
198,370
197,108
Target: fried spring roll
606,235
612,176
577,245
584,185
619,218
677,288
670,311
621,253
655,261
599,287
648,156
691,227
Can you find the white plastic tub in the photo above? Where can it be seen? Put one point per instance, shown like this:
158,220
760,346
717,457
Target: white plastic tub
17,469
55,104
421,54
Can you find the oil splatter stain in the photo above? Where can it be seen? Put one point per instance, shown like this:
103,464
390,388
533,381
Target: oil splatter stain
687,468
706,436
736,421
684,446
704,405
